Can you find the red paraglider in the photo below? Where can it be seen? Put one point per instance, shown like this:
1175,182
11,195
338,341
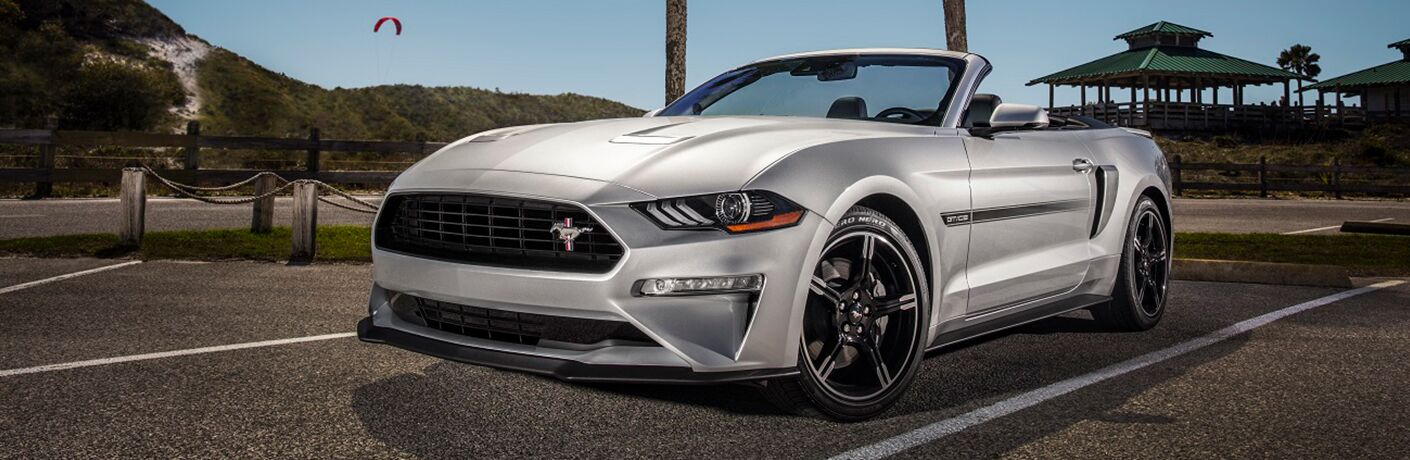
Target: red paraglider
395,21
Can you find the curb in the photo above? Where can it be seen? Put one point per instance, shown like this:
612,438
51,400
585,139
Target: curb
1228,271
1378,228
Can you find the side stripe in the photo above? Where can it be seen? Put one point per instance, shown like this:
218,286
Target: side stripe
1013,212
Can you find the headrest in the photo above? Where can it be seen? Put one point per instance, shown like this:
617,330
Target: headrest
848,107
981,107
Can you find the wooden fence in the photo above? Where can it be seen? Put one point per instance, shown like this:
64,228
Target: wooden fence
1258,177
44,174
1261,177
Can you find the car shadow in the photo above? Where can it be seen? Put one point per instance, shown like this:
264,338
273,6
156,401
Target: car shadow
450,408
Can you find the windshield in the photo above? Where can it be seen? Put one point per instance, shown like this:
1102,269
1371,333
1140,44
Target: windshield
899,89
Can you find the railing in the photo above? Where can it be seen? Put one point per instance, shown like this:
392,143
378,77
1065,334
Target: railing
44,174
1334,178
1196,116
1261,177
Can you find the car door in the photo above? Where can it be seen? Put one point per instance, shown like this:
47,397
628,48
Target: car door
1030,218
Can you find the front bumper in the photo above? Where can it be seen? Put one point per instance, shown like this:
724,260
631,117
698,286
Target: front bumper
706,338
563,369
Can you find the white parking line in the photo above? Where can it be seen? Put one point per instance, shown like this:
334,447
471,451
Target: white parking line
943,428
1334,227
90,271
169,354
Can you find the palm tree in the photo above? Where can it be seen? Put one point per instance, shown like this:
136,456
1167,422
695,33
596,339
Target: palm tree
1300,59
675,49
955,34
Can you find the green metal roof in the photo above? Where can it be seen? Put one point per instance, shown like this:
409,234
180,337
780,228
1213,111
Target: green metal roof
1395,73
1163,27
1168,60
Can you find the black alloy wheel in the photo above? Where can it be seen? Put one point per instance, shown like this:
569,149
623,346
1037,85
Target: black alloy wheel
1143,282
864,322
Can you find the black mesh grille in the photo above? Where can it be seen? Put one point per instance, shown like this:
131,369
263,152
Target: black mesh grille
494,231
522,328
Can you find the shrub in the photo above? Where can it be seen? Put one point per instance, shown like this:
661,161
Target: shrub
1226,141
112,96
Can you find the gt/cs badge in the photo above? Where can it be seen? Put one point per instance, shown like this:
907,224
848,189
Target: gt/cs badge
566,232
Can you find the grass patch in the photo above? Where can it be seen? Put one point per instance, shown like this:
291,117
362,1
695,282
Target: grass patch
335,243
1362,255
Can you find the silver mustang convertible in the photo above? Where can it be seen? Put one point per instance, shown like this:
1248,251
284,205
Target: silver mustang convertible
810,223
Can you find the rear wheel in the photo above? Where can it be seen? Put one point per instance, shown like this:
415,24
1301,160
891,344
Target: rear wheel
863,325
1138,300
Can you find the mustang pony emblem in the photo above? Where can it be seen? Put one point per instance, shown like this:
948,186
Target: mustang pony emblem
567,232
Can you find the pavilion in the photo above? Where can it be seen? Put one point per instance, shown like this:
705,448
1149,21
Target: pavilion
1384,90
1172,83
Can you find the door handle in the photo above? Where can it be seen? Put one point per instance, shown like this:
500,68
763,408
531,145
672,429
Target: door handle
1081,165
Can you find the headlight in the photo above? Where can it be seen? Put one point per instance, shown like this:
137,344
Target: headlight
735,212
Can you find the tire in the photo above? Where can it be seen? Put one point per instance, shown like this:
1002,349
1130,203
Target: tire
864,329
1143,279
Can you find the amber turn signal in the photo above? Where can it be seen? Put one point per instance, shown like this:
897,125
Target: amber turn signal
778,220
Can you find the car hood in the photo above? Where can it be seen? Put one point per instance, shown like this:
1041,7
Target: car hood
650,157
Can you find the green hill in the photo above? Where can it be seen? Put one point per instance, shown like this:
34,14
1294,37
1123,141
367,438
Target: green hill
123,65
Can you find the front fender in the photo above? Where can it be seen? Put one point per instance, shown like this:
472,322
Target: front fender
928,173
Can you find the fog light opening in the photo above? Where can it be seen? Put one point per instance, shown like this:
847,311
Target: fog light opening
700,285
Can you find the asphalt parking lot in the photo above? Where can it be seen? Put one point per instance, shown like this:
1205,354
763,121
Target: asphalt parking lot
1326,382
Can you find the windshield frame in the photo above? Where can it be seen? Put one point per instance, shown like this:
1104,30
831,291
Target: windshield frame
682,106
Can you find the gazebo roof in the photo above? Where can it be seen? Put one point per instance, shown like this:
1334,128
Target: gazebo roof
1169,60
1163,27
1392,74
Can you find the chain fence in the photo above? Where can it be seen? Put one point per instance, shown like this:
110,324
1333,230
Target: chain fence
191,191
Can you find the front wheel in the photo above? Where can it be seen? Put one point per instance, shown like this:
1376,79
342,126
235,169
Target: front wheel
864,323
1138,300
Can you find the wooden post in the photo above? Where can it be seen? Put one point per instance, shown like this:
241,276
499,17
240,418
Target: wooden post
1321,104
305,223
1050,96
1101,101
133,200
1146,99
46,160
1263,176
1336,177
1397,103
193,153
421,145
1176,181
1083,111
313,151
262,219
1341,109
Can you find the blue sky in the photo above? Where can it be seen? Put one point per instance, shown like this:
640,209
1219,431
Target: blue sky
614,49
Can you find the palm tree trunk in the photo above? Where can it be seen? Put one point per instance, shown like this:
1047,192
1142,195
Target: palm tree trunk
675,49
955,33
1299,93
